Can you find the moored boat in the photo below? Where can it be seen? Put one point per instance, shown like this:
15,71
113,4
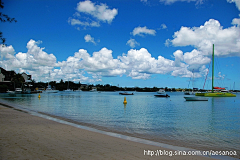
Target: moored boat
161,91
125,93
162,95
196,98
218,92
50,90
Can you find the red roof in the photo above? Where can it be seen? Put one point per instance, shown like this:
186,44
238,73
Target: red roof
218,88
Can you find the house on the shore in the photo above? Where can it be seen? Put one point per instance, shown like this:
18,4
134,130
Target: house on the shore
6,79
84,87
26,77
6,76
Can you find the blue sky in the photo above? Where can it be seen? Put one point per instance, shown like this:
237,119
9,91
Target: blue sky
143,43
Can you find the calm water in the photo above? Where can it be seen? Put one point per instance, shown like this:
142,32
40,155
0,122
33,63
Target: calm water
207,125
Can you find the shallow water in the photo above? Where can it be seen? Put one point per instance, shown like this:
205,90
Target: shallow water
206,125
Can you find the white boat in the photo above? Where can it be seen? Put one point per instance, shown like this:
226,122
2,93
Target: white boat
161,91
50,90
18,91
68,90
196,98
93,90
11,92
78,90
27,91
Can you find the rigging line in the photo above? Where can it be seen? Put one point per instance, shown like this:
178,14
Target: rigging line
207,74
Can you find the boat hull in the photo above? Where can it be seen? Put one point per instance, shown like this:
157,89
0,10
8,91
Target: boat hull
199,94
126,93
160,95
219,94
196,99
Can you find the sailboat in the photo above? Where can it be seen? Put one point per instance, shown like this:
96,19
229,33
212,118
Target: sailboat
219,92
68,89
49,88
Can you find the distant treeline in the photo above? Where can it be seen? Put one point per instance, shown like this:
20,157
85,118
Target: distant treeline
84,87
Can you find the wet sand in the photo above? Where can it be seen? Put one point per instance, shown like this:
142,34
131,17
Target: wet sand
24,136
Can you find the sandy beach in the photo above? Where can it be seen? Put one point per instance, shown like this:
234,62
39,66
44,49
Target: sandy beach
24,136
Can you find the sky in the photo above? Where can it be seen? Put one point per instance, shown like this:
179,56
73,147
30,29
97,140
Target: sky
126,43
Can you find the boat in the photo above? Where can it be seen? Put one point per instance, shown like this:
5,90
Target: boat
27,91
125,93
161,91
187,93
68,90
218,91
93,90
162,95
196,98
193,90
50,90
11,92
78,90
17,91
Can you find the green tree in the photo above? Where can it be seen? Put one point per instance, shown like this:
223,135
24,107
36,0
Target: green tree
18,80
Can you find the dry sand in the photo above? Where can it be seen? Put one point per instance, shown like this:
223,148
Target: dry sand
24,136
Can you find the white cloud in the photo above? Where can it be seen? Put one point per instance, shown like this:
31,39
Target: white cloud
101,12
132,43
88,38
163,26
7,52
173,1
35,61
140,63
137,64
74,21
235,1
143,30
236,21
227,41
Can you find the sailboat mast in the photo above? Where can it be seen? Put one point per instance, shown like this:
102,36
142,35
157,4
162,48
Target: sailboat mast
212,68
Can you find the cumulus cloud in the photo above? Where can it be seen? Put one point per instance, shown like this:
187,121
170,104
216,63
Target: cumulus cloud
7,52
137,64
89,38
236,21
132,43
140,63
227,41
101,12
92,14
84,67
142,31
235,1
36,61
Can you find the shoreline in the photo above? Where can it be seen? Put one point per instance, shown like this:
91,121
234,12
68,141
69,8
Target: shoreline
113,146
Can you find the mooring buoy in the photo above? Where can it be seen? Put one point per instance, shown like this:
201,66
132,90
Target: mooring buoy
125,101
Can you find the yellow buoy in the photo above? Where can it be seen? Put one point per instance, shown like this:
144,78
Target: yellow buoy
125,101
39,96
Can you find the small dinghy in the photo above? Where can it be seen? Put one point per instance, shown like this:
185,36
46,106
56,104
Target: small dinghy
162,95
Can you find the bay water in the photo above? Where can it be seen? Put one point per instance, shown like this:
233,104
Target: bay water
203,125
